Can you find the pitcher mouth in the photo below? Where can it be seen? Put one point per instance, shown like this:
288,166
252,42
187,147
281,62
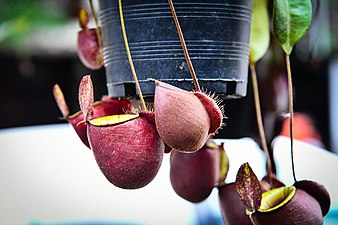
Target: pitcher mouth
276,198
112,120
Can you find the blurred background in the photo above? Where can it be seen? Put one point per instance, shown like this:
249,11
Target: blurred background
38,44
38,49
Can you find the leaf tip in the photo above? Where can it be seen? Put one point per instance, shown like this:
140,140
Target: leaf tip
60,100
83,17
86,96
248,188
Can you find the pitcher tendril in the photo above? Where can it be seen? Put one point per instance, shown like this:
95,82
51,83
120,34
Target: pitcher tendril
98,33
184,46
259,121
129,56
287,60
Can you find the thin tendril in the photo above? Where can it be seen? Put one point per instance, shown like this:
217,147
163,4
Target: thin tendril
259,120
144,107
287,59
184,46
98,33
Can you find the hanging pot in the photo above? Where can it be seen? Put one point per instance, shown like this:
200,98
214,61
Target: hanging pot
216,32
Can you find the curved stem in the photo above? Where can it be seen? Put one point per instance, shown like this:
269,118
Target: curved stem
184,46
259,120
287,60
98,32
144,107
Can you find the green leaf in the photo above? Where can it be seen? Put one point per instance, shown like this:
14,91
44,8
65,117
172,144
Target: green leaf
260,31
248,188
86,97
291,19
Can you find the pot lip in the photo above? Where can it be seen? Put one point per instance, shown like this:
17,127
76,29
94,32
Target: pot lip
289,192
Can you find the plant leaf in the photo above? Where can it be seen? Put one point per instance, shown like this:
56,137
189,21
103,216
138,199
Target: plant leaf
86,97
260,30
248,188
113,119
60,100
291,19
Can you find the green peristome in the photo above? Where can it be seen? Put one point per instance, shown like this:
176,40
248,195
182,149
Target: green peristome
112,119
291,19
287,205
276,198
260,31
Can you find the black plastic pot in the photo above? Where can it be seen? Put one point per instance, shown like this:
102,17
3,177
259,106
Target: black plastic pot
217,36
